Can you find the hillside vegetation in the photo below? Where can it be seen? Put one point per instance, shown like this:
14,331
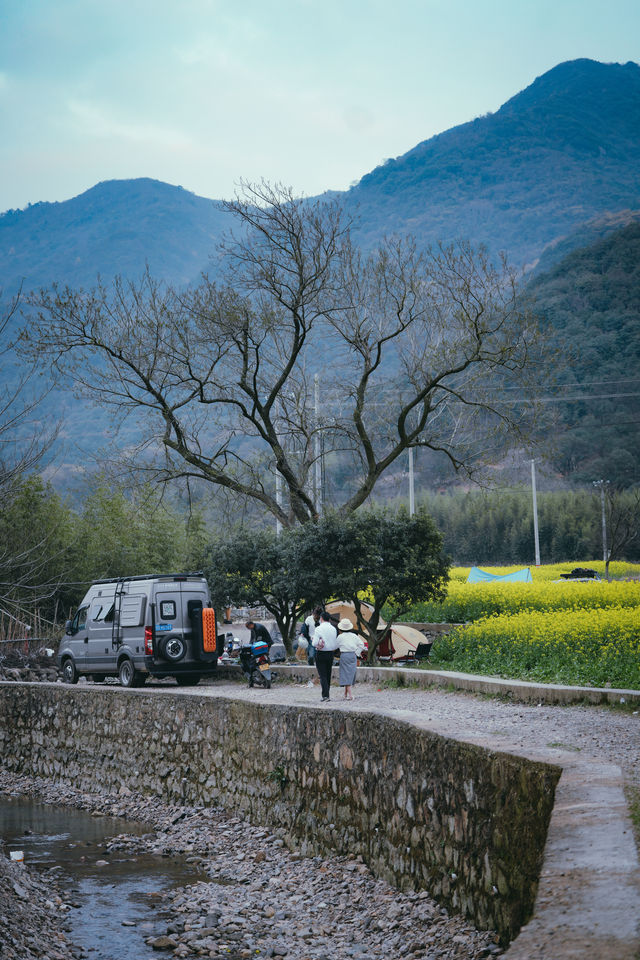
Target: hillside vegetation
116,228
591,302
557,154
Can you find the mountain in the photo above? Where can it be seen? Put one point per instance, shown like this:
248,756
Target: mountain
563,152
585,235
590,301
557,154
116,227
553,178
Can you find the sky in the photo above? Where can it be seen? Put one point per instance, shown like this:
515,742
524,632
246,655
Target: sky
309,93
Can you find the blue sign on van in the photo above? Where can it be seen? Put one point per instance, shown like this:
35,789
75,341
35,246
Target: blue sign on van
164,626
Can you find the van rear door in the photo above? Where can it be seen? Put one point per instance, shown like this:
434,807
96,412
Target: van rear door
168,619
194,599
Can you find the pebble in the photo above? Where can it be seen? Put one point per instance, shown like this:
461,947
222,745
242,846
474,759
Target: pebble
33,667
279,905
30,922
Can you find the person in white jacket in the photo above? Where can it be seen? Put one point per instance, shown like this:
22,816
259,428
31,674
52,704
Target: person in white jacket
350,646
325,640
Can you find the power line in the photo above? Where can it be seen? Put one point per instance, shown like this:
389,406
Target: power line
609,426
588,396
588,383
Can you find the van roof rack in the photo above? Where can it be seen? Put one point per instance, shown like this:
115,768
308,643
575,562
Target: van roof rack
151,576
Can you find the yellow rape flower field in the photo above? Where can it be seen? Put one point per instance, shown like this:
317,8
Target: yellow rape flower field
585,634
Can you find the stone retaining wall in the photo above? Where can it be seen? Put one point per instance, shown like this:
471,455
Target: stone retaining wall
467,824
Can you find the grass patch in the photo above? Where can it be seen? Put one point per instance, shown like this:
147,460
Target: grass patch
632,793
398,682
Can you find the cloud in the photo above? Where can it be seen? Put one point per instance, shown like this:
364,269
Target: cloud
96,122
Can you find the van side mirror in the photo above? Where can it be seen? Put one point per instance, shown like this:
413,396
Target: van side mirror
67,628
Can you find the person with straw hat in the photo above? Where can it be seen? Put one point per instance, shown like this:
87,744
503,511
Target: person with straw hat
350,646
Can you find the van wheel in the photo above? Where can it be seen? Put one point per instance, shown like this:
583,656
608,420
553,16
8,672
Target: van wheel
173,649
187,680
127,673
69,672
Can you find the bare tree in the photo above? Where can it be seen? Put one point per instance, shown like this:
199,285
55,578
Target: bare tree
621,521
23,441
409,348
25,556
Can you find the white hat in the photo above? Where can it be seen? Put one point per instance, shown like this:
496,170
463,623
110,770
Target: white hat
345,624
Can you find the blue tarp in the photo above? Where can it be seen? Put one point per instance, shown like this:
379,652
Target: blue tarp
476,575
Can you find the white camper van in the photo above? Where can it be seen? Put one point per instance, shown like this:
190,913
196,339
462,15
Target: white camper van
136,627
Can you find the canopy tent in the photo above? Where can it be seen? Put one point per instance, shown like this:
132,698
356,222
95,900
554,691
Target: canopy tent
476,575
344,608
399,643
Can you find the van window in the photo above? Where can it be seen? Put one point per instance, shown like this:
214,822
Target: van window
102,610
167,610
132,610
79,622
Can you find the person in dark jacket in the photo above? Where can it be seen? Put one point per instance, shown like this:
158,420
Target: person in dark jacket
259,632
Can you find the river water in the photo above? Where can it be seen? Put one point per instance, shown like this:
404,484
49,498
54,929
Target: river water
115,905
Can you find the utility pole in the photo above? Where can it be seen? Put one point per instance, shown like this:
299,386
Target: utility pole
535,512
278,474
412,499
278,499
602,484
317,468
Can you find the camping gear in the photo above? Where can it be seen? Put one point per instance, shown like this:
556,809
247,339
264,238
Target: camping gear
260,647
423,650
581,573
256,665
400,642
476,575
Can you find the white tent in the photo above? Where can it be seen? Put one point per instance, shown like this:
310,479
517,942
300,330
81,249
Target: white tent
400,643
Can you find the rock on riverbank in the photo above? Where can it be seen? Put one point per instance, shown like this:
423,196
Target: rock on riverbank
263,900
31,914
29,667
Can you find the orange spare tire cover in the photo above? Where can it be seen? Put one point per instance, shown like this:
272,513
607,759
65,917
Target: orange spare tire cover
209,630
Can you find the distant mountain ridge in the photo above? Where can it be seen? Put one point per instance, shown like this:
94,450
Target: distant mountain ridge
116,227
557,154
561,153
585,235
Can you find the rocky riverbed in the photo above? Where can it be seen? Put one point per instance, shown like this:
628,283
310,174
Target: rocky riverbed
31,915
260,899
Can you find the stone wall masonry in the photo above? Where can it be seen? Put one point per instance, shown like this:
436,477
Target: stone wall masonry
424,811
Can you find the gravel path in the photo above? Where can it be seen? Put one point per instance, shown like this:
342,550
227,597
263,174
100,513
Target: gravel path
599,732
